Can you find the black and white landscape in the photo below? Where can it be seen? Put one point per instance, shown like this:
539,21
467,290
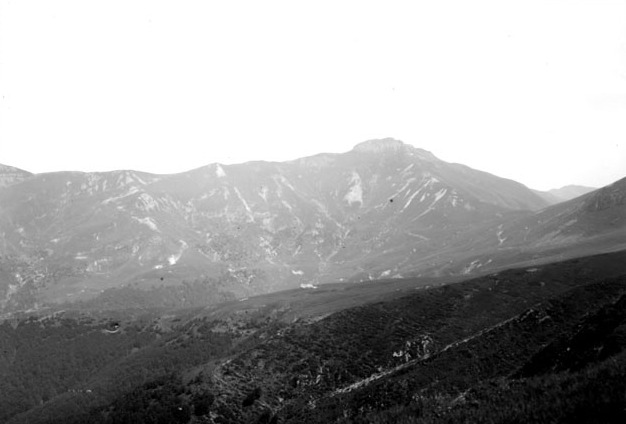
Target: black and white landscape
288,212
378,285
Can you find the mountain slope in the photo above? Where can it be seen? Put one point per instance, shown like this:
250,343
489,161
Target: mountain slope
599,214
380,210
592,223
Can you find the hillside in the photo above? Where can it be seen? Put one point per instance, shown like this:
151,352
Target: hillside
594,219
422,355
592,223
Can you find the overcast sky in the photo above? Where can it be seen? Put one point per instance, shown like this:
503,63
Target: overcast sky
529,90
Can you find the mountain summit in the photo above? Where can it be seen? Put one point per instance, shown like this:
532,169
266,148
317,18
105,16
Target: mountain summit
380,145
391,145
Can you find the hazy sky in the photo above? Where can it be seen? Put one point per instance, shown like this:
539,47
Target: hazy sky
529,90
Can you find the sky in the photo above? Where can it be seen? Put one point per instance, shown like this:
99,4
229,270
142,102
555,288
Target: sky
529,90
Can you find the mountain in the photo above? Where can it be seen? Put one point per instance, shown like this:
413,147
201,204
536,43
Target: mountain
563,194
10,175
382,210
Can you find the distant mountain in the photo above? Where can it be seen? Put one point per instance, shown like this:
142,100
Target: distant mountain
382,210
10,175
563,194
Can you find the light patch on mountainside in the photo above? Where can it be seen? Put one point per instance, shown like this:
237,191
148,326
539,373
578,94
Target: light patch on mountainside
138,179
149,222
418,236
429,179
406,184
408,168
411,199
499,234
126,178
266,244
455,199
219,171
173,259
263,193
472,266
267,222
438,196
355,195
147,202
11,290
245,204
130,192
97,265
285,182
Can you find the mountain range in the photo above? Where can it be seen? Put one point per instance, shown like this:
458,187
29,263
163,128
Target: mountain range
383,210
206,296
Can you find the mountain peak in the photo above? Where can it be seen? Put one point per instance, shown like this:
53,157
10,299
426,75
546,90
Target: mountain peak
379,145
385,145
